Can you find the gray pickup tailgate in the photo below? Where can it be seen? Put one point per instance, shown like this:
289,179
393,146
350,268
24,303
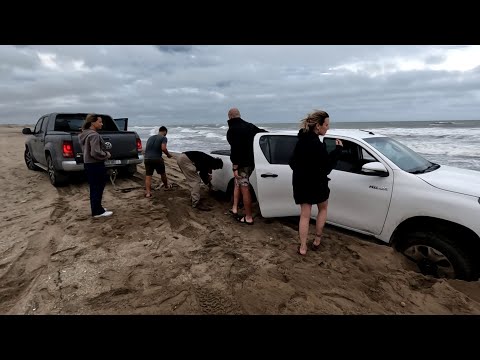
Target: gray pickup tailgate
122,145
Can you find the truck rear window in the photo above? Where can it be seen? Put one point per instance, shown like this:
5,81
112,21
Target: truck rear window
68,125
74,122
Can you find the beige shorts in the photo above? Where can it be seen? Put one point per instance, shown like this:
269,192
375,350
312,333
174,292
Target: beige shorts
244,174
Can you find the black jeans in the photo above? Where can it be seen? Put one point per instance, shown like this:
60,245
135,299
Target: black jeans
96,175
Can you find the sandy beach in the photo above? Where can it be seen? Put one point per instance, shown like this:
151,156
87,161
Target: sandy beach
160,256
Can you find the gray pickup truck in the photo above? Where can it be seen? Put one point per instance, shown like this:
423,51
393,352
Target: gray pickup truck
53,145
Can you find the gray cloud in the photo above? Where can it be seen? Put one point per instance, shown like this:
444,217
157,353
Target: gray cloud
175,48
435,59
198,84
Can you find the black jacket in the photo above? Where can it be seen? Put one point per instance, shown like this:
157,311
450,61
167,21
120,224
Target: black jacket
204,163
310,159
240,136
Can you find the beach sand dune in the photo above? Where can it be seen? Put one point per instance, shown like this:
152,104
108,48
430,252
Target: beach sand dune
160,256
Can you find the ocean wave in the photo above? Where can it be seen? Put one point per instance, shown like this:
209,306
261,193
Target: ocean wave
213,135
442,123
444,145
188,130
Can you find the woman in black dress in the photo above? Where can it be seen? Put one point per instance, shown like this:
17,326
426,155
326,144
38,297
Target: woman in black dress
311,164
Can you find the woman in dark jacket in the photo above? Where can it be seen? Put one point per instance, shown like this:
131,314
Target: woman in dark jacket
311,164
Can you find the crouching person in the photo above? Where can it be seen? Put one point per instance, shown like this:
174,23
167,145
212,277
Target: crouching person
197,166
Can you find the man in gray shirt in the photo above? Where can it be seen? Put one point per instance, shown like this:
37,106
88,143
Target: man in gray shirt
153,161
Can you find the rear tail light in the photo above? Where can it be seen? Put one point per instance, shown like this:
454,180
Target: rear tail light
67,149
139,144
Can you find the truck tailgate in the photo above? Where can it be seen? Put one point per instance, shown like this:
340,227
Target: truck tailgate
122,145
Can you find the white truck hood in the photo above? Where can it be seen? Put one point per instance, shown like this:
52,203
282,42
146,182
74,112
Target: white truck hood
454,179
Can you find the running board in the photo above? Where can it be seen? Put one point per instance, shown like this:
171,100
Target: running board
41,166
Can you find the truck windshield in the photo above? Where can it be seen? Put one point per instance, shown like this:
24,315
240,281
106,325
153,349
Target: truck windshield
402,156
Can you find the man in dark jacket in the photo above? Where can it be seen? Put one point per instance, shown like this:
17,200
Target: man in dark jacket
240,136
196,166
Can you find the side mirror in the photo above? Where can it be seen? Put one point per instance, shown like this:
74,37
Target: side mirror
375,168
27,131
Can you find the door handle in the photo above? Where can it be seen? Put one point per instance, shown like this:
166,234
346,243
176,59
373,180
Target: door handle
269,175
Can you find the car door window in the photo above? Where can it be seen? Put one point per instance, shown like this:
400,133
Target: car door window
367,156
352,157
44,125
278,149
38,127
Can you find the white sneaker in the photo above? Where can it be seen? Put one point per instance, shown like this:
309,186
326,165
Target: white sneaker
106,213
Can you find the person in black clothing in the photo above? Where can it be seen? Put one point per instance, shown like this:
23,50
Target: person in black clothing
311,164
240,136
196,166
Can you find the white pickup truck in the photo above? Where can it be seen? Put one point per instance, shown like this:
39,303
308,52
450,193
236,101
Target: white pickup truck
379,187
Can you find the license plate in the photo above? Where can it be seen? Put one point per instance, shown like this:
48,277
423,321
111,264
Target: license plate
113,162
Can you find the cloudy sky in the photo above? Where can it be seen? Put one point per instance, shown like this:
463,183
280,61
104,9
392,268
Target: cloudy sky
198,84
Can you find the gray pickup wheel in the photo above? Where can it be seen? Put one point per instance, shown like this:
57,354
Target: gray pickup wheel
127,171
57,178
131,169
437,255
29,160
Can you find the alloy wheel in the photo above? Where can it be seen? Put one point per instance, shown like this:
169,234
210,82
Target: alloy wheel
430,261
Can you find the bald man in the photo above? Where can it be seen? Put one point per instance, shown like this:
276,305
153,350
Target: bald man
240,136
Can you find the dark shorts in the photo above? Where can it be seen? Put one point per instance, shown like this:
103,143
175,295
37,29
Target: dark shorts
150,165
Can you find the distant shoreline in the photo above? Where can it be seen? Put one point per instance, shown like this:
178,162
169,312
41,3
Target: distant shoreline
418,122
15,125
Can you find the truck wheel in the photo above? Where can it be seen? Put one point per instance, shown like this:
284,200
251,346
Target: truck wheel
127,171
29,160
131,169
57,178
437,255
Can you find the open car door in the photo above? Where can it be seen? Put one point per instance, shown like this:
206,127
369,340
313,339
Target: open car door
273,174
122,123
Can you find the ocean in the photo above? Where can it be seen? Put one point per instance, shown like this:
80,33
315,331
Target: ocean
454,143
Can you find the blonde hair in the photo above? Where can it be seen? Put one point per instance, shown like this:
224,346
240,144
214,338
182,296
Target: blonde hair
316,117
88,121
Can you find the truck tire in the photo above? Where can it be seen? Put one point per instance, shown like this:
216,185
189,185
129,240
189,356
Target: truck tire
130,170
57,178
437,255
29,160
127,171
